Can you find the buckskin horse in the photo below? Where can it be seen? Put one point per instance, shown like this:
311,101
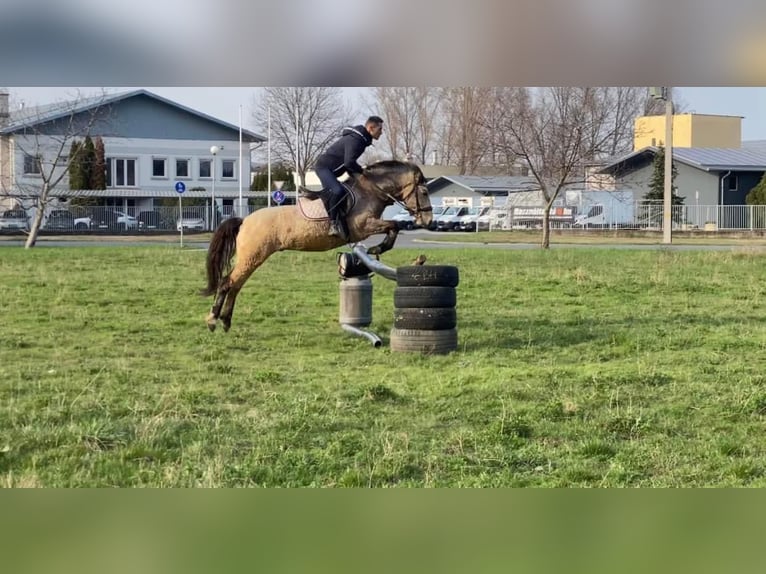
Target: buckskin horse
267,231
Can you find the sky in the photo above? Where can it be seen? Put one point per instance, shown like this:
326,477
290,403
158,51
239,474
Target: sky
224,103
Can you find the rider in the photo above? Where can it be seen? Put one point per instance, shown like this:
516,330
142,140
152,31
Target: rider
341,158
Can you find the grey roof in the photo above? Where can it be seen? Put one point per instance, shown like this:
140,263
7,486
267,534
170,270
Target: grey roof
488,184
750,157
716,159
36,115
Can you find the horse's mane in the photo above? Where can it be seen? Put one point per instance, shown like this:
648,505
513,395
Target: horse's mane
385,169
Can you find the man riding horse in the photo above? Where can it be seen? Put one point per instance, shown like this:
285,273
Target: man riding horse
341,157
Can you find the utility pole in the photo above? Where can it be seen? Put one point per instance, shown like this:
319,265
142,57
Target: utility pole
667,223
667,195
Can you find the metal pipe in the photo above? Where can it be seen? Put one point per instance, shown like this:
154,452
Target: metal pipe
374,264
372,337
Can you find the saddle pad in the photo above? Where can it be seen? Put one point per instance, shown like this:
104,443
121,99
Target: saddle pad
314,208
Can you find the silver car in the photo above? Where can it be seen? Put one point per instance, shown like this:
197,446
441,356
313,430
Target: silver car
14,220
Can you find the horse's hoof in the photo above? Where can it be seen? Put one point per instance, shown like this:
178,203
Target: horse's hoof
226,325
211,322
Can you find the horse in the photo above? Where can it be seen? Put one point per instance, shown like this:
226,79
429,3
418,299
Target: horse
269,230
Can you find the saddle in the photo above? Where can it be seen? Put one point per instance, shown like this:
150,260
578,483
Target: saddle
312,207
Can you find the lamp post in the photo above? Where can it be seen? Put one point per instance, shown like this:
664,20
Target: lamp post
213,150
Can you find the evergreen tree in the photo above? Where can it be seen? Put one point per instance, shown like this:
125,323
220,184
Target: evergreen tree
657,185
279,172
655,197
98,177
757,195
75,166
88,162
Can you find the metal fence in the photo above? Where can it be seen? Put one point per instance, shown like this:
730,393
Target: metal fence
95,219
638,216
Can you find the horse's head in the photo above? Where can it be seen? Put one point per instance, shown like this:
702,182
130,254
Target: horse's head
403,182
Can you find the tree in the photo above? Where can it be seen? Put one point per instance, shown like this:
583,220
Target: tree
557,131
465,138
410,114
279,172
654,199
42,137
88,161
304,121
98,177
757,195
76,180
657,184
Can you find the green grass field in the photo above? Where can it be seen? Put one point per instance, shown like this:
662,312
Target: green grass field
576,368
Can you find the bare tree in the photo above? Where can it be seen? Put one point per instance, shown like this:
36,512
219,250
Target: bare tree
42,137
410,114
304,121
548,129
465,141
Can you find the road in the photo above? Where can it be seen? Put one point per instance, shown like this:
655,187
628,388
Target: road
415,239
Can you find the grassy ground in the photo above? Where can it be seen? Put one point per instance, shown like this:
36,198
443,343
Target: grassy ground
598,368
602,237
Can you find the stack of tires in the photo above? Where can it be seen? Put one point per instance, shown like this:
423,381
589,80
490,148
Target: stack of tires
425,319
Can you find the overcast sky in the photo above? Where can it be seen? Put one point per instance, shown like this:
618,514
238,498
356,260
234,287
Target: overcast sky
224,103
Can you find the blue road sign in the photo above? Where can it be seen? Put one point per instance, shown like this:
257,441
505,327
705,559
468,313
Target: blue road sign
180,186
278,196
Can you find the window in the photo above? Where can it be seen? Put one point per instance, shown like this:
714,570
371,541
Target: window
595,210
182,168
732,182
120,172
158,167
32,164
204,168
227,169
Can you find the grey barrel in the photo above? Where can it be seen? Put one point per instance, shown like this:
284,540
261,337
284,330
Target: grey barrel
356,301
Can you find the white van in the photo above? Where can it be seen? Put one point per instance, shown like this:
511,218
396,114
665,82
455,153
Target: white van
449,220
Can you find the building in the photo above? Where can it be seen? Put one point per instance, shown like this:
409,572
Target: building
150,144
474,190
710,177
689,131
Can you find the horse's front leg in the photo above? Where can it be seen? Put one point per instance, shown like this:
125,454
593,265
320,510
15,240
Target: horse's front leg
390,228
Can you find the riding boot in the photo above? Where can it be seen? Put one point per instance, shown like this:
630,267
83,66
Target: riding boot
337,227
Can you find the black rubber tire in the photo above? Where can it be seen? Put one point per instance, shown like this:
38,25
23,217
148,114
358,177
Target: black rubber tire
427,276
423,341
429,318
411,297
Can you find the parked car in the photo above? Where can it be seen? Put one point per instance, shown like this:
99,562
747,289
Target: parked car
450,219
118,220
191,220
404,220
64,220
476,217
438,210
152,220
14,220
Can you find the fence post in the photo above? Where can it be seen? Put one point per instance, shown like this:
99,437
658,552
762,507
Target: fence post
751,218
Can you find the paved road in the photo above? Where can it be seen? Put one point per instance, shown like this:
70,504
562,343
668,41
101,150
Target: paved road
415,239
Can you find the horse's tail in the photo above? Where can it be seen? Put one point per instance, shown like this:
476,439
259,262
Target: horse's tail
219,253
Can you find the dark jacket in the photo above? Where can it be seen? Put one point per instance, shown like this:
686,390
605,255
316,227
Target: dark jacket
341,156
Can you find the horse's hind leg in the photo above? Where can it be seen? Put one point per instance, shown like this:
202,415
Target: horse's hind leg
236,280
215,311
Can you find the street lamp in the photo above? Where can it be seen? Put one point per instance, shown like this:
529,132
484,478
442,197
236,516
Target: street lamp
214,150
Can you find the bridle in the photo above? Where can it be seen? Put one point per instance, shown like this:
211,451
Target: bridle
418,210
